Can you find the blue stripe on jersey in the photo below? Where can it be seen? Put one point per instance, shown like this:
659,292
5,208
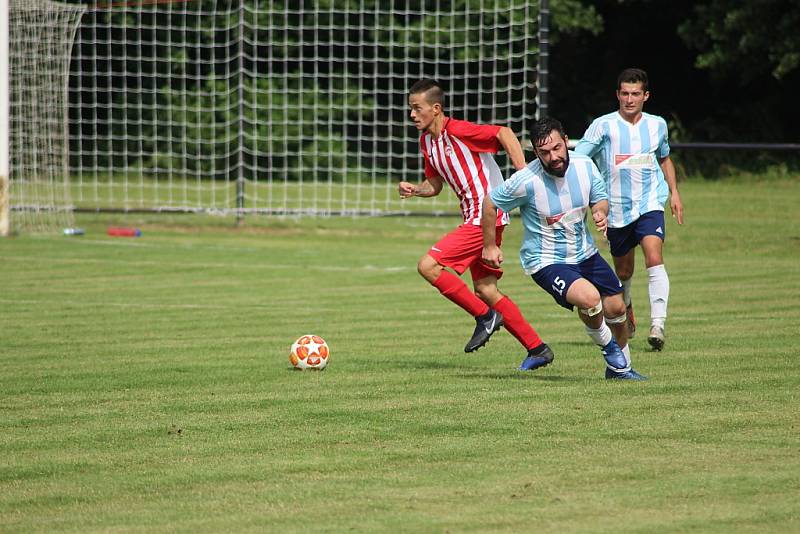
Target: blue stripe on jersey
576,195
647,174
554,206
533,241
625,178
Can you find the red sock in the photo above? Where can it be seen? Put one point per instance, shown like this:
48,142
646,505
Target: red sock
516,323
452,287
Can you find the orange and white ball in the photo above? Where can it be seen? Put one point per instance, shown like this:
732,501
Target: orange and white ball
310,352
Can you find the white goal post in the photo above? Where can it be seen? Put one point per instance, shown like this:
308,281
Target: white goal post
36,38
5,224
281,107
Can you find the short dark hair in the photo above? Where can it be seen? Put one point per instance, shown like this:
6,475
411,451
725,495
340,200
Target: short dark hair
434,93
542,129
633,76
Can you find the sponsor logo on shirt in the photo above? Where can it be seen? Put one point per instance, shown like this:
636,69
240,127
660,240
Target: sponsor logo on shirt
554,219
568,219
633,161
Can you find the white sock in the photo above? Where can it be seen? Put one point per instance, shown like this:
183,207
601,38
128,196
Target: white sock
658,287
626,291
626,350
601,336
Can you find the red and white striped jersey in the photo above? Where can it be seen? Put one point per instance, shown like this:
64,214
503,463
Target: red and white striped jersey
462,156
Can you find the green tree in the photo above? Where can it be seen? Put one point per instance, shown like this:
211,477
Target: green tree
748,38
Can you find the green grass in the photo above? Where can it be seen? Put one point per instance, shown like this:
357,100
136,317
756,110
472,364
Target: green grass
145,383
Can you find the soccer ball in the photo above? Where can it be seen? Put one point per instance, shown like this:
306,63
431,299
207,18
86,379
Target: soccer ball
309,352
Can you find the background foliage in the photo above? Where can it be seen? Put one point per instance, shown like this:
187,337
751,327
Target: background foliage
720,70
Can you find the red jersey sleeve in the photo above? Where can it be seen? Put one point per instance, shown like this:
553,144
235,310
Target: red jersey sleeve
478,137
430,172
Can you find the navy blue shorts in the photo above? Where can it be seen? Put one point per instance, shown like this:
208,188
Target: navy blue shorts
622,240
556,279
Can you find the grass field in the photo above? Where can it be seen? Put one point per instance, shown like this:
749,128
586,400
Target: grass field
145,383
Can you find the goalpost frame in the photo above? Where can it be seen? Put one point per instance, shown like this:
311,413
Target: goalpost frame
5,201
356,153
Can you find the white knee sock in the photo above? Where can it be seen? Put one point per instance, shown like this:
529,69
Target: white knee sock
601,336
626,291
658,287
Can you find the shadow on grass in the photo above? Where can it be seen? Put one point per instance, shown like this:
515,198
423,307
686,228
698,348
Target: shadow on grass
521,375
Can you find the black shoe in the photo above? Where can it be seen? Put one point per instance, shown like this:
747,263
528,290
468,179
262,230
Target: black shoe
485,326
537,357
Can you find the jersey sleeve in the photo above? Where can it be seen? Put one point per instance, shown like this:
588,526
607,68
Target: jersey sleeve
592,140
586,148
430,172
513,193
478,137
663,146
598,190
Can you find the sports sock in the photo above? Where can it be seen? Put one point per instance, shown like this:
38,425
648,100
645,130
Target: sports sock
452,287
601,336
516,323
626,291
626,350
658,288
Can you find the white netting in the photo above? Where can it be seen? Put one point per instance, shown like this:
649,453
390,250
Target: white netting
282,106
40,39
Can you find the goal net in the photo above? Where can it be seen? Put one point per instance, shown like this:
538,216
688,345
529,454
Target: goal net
39,36
280,106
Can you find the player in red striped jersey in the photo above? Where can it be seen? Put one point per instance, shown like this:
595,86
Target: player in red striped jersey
459,153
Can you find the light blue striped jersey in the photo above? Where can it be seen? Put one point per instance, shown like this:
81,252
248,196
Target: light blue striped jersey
627,155
553,211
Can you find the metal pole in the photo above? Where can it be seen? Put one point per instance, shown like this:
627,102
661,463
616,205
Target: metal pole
240,162
542,89
5,122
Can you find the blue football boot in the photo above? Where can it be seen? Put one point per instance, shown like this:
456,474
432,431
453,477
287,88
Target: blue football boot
618,366
630,374
537,357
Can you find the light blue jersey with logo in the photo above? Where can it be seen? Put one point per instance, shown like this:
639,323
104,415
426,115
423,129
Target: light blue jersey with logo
627,155
553,211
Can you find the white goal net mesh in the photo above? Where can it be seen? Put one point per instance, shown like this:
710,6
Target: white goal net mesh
278,106
40,36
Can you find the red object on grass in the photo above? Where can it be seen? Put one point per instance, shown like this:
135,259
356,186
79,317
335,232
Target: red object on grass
121,231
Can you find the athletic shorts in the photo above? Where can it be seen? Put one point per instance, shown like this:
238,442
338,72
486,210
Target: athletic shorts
557,278
461,249
622,240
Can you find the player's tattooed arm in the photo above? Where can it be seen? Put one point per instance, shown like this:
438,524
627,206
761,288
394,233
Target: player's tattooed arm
430,187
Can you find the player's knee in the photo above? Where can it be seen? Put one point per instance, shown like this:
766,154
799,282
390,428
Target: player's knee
616,319
592,311
614,307
624,273
429,268
653,261
488,293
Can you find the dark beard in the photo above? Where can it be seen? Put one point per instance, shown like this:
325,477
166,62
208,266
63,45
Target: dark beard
557,172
